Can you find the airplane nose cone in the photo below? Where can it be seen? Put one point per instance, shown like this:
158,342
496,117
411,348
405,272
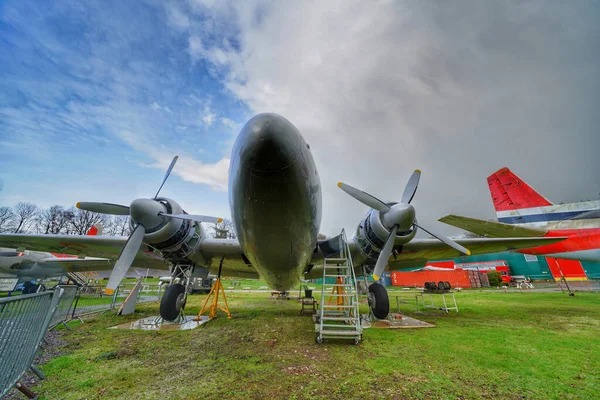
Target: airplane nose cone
145,212
269,142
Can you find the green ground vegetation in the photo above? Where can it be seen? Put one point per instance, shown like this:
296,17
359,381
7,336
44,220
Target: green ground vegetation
500,345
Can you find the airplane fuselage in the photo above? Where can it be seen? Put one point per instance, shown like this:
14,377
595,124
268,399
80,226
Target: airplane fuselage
275,199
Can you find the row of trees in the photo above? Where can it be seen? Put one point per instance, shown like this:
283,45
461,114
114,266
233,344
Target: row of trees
27,217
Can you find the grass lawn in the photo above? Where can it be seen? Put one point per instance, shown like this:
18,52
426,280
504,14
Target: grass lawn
500,345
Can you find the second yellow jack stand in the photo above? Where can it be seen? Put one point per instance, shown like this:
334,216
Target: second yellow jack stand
214,304
337,290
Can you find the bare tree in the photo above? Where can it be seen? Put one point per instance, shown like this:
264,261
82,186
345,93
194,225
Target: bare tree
54,220
24,215
225,230
83,220
6,216
118,225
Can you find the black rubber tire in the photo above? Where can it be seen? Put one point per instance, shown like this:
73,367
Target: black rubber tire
169,310
382,302
448,285
441,285
318,339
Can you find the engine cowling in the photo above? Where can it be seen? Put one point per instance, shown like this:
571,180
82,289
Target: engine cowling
372,233
176,239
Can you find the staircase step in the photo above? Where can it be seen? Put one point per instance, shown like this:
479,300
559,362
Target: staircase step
339,295
325,318
336,306
344,327
336,333
335,260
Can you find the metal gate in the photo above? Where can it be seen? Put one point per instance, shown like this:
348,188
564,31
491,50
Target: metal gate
23,323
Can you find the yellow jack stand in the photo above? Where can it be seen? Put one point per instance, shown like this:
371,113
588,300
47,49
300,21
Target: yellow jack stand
337,290
214,304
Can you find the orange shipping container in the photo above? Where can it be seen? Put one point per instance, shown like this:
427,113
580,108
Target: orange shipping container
457,278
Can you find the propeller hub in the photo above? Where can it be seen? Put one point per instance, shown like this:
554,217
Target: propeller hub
402,215
145,212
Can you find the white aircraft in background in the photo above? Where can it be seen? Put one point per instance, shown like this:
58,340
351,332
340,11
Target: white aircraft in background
275,200
23,266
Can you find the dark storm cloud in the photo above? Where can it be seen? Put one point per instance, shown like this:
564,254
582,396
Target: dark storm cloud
456,89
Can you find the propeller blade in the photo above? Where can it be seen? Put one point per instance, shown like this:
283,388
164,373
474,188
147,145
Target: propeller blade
103,208
364,197
166,175
385,254
411,187
191,217
448,241
125,258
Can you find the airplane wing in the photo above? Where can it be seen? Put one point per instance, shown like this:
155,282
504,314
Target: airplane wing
235,263
491,229
418,251
83,246
78,265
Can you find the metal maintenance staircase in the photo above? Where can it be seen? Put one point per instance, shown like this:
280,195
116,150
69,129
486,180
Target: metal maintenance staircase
82,278
78,278
338,316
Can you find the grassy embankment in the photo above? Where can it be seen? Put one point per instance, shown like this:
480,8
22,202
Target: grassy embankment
506,345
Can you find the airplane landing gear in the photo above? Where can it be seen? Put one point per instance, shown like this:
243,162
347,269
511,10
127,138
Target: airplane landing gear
173,301
379,301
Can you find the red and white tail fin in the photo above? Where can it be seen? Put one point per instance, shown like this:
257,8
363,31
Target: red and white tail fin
512,196
95,230
517,203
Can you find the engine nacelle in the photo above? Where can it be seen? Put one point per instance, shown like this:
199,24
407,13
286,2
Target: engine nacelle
174,238
372,234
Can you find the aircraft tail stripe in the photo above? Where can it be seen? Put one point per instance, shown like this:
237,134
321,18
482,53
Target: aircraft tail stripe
509,192
545,217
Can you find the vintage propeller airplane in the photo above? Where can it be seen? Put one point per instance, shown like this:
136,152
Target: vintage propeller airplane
275,200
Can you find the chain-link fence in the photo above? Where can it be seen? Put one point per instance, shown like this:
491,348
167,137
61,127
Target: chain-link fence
23,323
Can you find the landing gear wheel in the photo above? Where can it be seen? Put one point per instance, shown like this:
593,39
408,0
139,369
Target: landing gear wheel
173,301
379,301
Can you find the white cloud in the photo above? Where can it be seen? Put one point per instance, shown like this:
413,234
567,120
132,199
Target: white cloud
208,117
228,123
176,17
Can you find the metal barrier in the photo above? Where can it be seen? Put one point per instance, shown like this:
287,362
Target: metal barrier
23,323
91,299
61,315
